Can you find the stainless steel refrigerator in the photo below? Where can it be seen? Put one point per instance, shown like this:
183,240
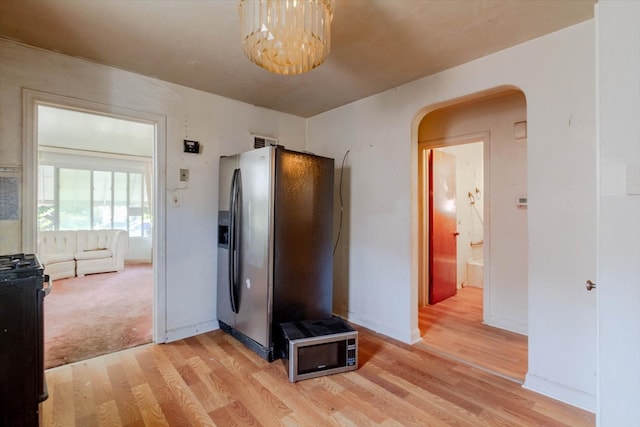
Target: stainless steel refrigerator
275,260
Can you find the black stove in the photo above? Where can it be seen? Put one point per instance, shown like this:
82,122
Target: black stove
22,380
18,263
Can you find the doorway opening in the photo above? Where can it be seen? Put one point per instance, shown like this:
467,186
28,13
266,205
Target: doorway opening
95,219
472,269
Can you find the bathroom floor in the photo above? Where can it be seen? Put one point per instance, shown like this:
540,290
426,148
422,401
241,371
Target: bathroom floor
454,328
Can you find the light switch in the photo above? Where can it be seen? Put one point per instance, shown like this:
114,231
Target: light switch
520,130
633,179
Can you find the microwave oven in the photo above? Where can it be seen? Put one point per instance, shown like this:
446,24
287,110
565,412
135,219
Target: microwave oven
321,347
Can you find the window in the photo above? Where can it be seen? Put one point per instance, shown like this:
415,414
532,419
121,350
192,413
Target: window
81,199
46,198
94,171
74,199
102,197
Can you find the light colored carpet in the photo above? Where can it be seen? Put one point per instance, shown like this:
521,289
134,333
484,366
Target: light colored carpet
98,314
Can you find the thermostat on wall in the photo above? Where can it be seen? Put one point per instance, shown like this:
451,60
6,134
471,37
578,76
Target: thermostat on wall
191,146
522,202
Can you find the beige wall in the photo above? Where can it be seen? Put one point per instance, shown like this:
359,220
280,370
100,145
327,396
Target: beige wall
376,272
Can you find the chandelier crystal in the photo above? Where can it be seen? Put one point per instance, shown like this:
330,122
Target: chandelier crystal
286,36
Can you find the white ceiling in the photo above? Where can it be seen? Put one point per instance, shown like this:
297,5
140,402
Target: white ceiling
376,44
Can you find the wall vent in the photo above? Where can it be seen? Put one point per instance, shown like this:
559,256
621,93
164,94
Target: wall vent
263,141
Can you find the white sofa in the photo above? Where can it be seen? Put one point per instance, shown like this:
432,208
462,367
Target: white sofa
77,253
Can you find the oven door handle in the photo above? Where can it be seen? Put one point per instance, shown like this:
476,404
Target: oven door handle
47,289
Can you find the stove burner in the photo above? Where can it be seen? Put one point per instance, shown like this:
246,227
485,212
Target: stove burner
18,262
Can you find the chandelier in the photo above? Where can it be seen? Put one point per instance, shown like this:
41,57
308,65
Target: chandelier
286,36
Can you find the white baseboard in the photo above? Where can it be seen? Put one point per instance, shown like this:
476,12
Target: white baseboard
507,324
200,328
560,392
191,330
416,336
408,338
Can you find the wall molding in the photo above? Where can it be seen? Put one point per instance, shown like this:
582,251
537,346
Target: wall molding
189,331
560,392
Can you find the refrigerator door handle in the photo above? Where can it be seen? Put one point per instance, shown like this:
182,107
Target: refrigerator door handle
232,227
237,246
234,240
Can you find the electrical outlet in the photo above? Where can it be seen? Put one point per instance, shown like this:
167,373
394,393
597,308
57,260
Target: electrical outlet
184,175
175,199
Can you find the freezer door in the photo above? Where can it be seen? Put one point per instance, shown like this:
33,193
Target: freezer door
224,307
303,231
254,306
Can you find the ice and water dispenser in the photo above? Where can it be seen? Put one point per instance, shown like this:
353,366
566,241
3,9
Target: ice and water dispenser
223,229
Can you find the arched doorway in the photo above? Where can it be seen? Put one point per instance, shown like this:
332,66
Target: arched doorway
485,324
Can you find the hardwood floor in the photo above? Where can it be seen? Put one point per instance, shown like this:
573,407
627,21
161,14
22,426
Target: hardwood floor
454,328
211,379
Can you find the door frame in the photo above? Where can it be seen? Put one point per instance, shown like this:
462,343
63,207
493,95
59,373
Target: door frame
31,99
423,208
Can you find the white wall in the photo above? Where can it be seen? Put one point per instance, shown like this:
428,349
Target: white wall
221,125
505,265
378,284
618,291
